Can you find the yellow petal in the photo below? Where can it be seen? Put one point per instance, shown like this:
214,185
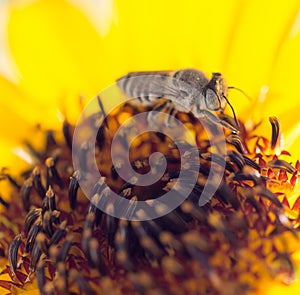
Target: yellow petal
17,117
171,35
59,53
292,139
276,288
255,44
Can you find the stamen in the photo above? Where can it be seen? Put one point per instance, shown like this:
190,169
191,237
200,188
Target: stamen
31,218
25,193
40,276
65,248
275,131
36,175
13,252
5,175
66,133
35,257
4,203
96,256
73,188
53,173
80,281
281,164
41,240
59,234
32,234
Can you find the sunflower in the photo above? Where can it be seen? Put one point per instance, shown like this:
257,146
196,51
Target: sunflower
57,55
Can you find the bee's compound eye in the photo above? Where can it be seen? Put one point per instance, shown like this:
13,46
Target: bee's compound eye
212,101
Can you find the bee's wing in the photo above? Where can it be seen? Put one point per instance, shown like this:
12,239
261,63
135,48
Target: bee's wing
148,73
156,84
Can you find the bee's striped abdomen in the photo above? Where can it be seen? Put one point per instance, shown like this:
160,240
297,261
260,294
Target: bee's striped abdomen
146,86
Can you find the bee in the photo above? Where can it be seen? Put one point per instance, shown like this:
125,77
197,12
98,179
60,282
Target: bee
189,89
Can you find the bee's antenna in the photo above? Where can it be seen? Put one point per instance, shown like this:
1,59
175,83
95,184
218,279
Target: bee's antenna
233,112
240,90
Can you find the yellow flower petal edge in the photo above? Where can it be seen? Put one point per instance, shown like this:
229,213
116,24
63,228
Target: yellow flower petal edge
59,53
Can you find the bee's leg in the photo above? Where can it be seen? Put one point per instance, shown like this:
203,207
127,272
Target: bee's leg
171,114
151,116
213,118
162,106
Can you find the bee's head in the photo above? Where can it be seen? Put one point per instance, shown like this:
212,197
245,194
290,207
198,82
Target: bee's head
215,93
